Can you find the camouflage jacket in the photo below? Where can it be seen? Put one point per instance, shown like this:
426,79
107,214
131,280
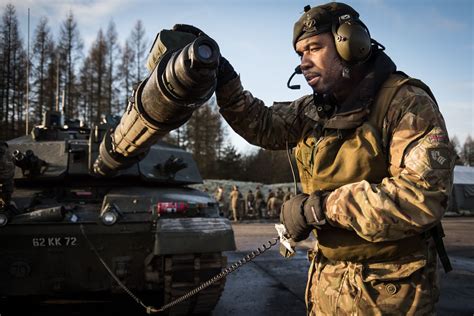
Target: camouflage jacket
414,194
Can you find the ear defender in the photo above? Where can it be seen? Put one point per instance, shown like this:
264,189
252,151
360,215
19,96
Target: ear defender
352,39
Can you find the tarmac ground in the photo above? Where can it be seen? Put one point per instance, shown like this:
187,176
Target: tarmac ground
273,285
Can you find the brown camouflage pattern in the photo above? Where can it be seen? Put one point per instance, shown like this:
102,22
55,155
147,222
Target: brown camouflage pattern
267,127
409,201
408,286
415,195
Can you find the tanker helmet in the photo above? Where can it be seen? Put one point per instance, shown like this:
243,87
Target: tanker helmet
351,36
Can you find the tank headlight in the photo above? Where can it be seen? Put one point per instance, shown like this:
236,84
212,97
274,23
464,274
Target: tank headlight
3,219
109,218
110,214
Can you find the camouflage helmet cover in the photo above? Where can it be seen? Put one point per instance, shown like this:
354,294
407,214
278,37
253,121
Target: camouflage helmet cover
320,19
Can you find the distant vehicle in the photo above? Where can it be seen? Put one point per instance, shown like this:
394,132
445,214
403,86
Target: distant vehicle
116,193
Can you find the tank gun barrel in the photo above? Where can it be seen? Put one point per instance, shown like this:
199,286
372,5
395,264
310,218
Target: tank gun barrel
183,78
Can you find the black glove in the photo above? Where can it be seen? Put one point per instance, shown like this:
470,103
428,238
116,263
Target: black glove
314,208
225,72
302,213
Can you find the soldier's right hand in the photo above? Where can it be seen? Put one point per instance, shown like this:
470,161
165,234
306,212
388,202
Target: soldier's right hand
302,213
292,216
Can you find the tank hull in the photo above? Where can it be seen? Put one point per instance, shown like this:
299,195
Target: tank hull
155,256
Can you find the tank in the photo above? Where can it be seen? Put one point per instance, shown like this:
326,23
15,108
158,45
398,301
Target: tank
116,193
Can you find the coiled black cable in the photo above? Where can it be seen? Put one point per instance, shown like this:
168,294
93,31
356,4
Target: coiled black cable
236,265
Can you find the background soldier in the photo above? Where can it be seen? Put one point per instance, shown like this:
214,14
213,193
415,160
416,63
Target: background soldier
270,200
250,204
219,195
380,179
259,202
280,194
241,207
288,195
274,205
236,203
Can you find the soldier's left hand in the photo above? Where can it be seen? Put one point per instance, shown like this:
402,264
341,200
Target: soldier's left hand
302,213
225,72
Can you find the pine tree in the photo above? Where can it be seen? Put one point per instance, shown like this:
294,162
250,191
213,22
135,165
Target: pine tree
94,79
457,149
12,75
113,51
125,73
138,45
86,86
52,73
229,166
19,92
43,78
70,51
467,153
203,134
268,166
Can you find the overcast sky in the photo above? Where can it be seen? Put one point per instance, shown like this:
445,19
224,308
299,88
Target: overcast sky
429,40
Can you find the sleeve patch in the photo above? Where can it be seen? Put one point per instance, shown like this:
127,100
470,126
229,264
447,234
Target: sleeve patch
440,158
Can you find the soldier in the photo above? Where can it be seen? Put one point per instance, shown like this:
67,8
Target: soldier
288,195
241,208
273,206
259,202
270,199
219,195
236,203
250,204
280,194
270,194
380,178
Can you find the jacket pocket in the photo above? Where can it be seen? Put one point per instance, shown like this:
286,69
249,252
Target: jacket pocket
397,288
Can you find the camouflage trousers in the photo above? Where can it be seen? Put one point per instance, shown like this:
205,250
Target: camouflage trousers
408,286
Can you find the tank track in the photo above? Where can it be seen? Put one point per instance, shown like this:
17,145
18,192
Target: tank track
183,273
